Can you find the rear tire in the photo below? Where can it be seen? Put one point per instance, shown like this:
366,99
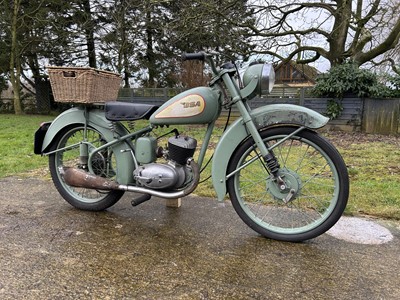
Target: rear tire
315,176
103,165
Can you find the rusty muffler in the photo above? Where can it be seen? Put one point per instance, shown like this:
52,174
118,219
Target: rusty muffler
79,178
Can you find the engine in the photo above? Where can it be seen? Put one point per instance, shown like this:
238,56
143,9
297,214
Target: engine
173,174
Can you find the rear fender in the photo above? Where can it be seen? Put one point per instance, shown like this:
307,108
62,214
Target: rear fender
109,131
39,137
263,117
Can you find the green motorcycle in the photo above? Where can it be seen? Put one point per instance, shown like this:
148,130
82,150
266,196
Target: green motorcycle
284,180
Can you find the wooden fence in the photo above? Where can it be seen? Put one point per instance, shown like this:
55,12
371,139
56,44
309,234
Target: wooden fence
368,115
381,116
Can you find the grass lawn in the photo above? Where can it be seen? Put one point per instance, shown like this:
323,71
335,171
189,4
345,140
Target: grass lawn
374,167
16,144
373,162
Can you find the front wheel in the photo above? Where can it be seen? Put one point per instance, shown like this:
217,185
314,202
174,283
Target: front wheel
67,142
313,196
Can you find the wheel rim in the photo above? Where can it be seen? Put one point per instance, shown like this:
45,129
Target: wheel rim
101,163
306,167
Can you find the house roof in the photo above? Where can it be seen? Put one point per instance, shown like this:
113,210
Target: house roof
309,72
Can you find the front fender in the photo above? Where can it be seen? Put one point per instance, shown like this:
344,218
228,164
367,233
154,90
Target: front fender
109,131
263,117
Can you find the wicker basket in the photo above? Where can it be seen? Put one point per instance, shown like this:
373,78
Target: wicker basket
83,85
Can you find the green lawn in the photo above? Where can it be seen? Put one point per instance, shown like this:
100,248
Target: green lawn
373,162
16,143
374,168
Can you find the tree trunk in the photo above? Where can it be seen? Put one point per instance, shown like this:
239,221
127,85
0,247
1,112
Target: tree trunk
123,62
33,63
15,62
339,33
149,50
89,33
126,72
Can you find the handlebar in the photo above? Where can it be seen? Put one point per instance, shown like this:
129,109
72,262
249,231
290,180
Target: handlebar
194,56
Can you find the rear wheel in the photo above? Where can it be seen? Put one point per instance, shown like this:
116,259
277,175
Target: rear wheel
313,197
103,164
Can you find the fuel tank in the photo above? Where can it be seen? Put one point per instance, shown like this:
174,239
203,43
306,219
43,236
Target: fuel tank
199,105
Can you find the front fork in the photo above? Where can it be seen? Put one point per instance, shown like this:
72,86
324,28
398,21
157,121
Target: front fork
267,152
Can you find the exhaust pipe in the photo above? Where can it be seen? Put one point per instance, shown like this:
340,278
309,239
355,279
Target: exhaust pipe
79,178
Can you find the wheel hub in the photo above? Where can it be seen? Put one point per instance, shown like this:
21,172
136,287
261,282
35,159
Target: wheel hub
292,186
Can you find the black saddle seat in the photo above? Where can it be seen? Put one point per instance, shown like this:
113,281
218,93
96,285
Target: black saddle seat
127,111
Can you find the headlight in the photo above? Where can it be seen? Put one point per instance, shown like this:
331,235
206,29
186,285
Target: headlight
259,78
267,79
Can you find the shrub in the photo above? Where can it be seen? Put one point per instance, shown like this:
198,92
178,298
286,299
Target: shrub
392,88
347,78
334,109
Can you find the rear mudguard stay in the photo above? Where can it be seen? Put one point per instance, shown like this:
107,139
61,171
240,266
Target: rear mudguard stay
110,132
263,117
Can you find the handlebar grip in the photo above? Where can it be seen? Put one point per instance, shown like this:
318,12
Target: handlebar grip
194,56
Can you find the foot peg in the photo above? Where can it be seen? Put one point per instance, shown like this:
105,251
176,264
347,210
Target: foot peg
140,199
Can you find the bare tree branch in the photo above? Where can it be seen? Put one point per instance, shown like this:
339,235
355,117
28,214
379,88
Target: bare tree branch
332,29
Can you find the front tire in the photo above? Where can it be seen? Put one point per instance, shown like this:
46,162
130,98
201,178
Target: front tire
103,165
316,179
